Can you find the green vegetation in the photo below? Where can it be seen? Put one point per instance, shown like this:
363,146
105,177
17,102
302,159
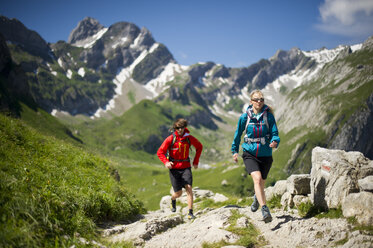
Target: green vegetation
50,189
58,90
275,202
134,135
47,124
234,104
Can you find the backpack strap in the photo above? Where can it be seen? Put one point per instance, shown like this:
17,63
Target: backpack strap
172,144
265,119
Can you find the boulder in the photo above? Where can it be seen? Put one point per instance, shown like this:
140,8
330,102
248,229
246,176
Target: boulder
287,200
299,184
359,205
335,174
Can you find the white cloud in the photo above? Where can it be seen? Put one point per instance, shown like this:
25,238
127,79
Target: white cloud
347,17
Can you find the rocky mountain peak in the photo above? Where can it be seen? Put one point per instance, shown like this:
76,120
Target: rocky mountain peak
14,31
85,28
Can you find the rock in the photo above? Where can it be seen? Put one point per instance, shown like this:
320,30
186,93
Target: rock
359,205
279,188
242,222
366,184
219,198
224,182
85,29
335,174
141,231
299,184
207,228
287,200
299,199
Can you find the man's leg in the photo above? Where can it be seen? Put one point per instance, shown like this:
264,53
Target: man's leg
176,195
189,191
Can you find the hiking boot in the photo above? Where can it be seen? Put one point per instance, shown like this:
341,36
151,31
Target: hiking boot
255,205
173,206
266,214
191,216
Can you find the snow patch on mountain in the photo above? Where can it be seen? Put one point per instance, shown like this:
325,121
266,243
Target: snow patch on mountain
120,42
81,71
119,80
158,85
90,41
324,55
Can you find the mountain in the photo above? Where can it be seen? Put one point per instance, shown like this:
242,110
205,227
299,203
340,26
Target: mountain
321,97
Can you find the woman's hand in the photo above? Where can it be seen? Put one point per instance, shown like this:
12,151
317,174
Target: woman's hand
235,157
169,165
273,144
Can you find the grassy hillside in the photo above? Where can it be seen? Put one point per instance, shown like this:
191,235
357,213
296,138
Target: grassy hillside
51,190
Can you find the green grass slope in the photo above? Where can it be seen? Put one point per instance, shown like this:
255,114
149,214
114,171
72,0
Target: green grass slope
50,190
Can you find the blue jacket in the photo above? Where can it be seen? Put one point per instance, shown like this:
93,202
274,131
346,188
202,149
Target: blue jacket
256,129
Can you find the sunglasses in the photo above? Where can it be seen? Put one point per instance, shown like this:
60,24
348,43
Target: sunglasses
177,128
258,99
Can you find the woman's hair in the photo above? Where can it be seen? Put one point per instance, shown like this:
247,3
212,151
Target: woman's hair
261,95
181,122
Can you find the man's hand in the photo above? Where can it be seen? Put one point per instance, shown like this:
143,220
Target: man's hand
169,165
235,157
273,144
195,166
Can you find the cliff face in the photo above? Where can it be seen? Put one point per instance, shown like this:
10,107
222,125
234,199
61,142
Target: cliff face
356,134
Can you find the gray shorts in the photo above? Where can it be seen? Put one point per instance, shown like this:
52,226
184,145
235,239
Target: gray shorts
180,178
252,163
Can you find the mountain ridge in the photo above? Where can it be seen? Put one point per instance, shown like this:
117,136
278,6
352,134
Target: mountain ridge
122,65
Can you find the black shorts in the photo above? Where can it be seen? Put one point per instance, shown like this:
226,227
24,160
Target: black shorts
262,164
180,178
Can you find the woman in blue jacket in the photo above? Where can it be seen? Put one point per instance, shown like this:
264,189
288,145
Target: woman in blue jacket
261,135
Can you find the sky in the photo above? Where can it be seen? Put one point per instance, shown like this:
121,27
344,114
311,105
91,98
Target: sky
235,33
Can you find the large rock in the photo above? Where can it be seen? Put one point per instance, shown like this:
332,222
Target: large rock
335,174
359,205
299,184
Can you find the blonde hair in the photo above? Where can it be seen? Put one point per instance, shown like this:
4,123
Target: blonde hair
262,95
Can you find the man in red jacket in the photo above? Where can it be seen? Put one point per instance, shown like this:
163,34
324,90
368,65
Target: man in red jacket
178,161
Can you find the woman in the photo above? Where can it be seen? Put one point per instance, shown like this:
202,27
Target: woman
178,162
261,135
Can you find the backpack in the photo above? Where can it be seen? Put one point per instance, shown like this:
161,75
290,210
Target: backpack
172,144
263,140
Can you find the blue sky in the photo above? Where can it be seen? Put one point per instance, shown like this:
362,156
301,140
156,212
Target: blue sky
235,33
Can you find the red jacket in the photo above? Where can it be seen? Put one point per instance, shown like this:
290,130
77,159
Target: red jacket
180,150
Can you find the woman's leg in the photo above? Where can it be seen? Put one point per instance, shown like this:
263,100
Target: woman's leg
259,187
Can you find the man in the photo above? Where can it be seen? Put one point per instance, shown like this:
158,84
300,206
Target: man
178,162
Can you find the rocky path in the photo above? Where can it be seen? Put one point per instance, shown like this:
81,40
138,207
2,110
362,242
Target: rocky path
165,229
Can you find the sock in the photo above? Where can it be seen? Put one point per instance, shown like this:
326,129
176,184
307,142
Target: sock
190,211
173,203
